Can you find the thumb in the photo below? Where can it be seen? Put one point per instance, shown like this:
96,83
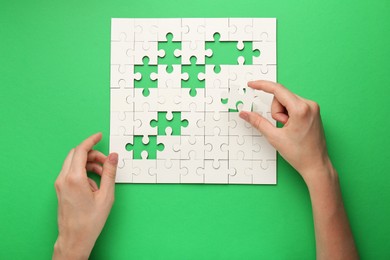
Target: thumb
259,122
107,183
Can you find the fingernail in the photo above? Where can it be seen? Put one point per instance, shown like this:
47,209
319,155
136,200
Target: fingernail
244,115
113,158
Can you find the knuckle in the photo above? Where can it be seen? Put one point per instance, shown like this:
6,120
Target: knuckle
315,106
303,109
58,185
258,121
73,180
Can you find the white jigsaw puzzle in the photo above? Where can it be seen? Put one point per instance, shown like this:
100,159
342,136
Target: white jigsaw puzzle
174,119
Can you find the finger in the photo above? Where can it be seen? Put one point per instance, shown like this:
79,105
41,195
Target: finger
278,111
81,153
285,97
96,156
107,183
94,167
93,184
67,163
259,122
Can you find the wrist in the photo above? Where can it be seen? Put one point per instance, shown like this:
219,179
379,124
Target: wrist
323,174
71,249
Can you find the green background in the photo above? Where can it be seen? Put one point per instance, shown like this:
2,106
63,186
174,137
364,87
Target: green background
54,76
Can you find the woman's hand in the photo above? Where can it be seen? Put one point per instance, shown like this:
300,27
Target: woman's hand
83,208
301,140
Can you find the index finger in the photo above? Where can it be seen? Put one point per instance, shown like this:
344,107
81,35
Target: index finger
80,156
282,94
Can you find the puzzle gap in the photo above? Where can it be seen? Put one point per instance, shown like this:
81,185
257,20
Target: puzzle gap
175,124
138,146
146,70
193,71
169,47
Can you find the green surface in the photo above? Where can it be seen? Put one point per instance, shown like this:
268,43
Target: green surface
193,71
226,53
146,81
151,146
54,60
176,123
169,47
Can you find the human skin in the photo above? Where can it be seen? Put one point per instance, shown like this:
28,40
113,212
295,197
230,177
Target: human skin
83,208
301,142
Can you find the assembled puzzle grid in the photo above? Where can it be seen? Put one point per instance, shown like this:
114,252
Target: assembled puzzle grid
177,86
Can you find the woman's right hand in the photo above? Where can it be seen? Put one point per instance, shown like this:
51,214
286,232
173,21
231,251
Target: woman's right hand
301,141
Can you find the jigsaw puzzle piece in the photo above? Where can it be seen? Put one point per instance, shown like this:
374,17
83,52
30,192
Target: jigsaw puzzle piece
144,49
125,174
263,72
262,172
122,29
189,168
167,171
193,103
171,145
238,91
193,29
146,30
237,126
122,99
216,121
123,76
122,52
240,175
191,143
169,80
145,117
215,100
217,25
195,123
193,49
215,80
214,146
216,173
123,123
144,103
144,169
118,145
264,29
263,149
168,100
267,53
169,25
240,75
240,147
241,29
